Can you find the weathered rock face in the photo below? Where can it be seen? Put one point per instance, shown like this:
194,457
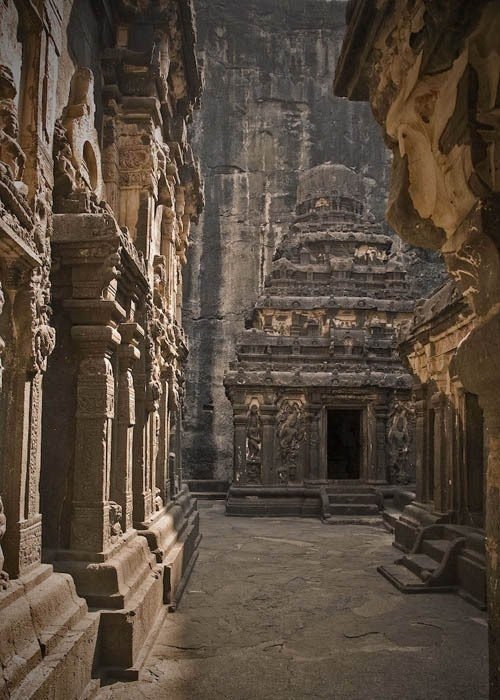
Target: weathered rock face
267,114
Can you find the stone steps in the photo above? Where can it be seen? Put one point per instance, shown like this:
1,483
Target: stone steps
359,498
407,581
435,548
353,509
347,500
449,558
421,565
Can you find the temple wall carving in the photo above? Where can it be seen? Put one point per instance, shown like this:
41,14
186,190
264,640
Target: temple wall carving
266,118
431,74
98,188
320,397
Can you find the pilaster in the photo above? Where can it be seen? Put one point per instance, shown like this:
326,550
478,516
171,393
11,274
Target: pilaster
91,524
121,470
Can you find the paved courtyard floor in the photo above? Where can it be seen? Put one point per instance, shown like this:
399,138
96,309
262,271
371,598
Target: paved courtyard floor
286,609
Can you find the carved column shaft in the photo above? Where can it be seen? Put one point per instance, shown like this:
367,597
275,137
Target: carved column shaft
121,472
439,452
421,448
21,470
267,453
21,409
162,481
90,526
240,439
141,491
381,444
314,447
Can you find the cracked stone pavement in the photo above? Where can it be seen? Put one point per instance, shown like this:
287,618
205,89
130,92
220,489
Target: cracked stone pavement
290,609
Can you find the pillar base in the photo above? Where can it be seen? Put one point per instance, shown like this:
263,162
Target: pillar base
127,589
47,638
173,536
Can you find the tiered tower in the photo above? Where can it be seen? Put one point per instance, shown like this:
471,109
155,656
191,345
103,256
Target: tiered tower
319,393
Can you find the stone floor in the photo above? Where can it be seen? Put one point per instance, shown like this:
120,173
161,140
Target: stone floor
290,609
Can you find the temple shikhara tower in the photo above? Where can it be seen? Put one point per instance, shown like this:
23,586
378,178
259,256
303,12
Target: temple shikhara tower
318,389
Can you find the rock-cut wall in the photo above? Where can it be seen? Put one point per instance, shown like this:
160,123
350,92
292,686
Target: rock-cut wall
268,113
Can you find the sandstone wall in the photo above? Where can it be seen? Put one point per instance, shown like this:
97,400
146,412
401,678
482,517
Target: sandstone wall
268,112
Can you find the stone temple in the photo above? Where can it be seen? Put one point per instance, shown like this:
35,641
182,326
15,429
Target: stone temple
318,387
350,399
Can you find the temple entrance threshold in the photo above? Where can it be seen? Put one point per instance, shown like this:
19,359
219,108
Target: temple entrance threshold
343,444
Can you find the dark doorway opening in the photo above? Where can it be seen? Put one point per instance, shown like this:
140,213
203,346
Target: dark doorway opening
344,444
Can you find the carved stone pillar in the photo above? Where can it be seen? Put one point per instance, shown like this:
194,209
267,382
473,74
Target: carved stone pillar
314,444
121,471
439,452
268,414
141,494
421,443
240,439
381,444
32,340
91,528
162,476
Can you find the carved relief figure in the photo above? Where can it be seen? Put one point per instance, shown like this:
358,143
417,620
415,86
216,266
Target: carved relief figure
290,431
65,175
254,434
399,439
115,516
78,120
43,335
12,158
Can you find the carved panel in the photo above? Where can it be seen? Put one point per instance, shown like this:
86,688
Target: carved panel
290,432
254,443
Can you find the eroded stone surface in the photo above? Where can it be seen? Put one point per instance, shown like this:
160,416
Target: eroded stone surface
287,610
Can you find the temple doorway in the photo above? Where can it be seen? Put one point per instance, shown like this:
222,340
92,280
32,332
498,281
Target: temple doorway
343,444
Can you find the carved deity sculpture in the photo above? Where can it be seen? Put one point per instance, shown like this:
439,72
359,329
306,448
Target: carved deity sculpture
66,178
115,516
290,431
12,157
399,439
43,335
253,443
254,434
4,577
